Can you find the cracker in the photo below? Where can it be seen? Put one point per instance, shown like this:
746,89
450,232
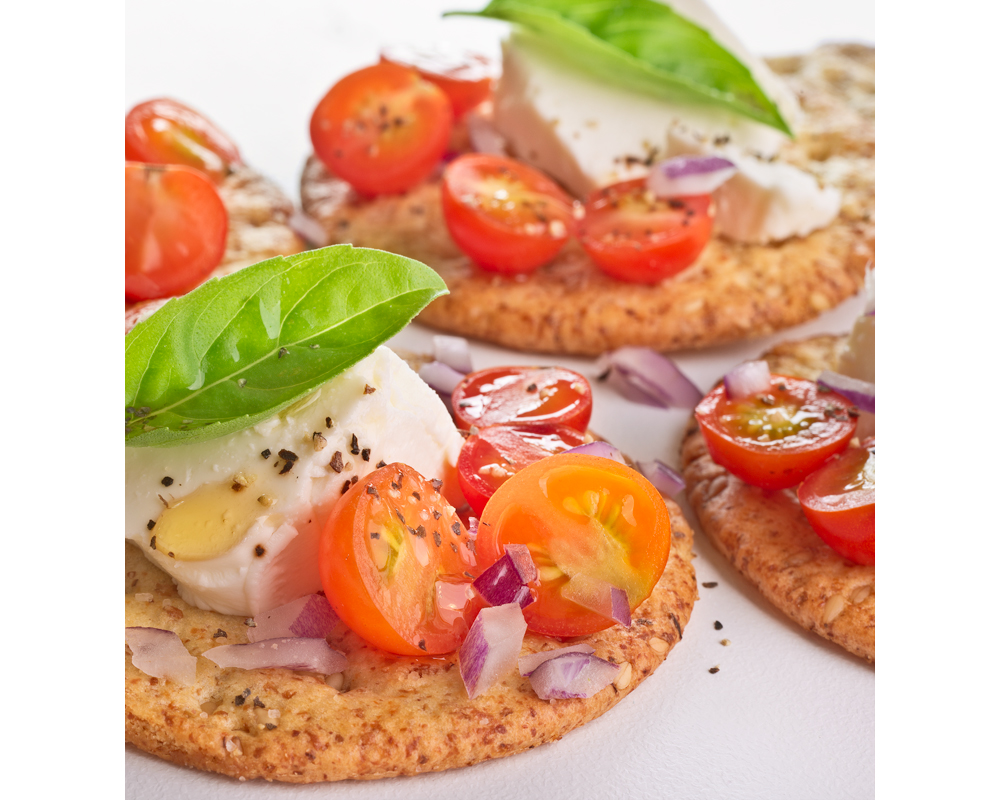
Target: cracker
767,537
734,291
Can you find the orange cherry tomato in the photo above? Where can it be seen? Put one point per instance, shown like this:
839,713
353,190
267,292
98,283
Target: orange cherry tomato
522,394
583,518
776,438
838,499
175,230
634,236
164,131
467,78
383,129
504,215
397,564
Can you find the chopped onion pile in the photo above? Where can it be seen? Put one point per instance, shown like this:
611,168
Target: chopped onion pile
645,376
861,393
687,175
666,480
506,581
600,597
309,229
601,449
308,655
453,351
161,654
746,379
528,664
309,617
572,675
491,647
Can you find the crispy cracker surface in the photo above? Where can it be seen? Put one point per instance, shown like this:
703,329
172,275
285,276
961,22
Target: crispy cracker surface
767,537
391,716
734,291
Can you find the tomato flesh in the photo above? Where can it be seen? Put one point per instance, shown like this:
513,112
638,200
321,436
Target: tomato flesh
634,236
506,216
774,439
397,564
383,129
584,518
838,499
175,230
163,131
467,78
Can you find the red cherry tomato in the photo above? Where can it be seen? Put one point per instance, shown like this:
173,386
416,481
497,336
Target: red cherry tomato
774,439
522,394
583,518
838,499
163,131
397,564
504,215
493,455
467,78
175,230
383,129
634,236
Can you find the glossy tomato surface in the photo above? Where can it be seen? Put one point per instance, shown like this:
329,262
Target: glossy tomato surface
838,499
522,394
163,131
383,129
489,458
397,564
634,236
506,216
775,438
583,518
175,230
466,77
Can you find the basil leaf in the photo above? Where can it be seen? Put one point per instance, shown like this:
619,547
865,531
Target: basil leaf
239,349
643,45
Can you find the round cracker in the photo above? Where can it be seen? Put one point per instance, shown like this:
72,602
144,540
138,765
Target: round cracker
734,291
767,537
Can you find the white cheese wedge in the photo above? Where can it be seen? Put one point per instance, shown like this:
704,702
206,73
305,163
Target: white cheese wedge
244,528
858,360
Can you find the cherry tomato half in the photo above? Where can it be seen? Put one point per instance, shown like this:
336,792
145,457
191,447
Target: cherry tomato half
164,131
467,78
776,438
493,455
175,230
584,516
522,394
382,129
838,499
504,215
397,564
634,236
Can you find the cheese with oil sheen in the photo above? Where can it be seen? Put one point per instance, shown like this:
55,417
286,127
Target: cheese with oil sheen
253,548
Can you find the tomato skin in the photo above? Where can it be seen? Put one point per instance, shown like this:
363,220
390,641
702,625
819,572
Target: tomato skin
532,508
635,237
504,215
522,394
779,462
175,230
838,499
163,131
467,78
382,129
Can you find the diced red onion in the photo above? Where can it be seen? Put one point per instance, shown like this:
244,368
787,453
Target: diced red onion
491,648
572,675
525,564
506,580
686,175
473,528
309,617
161,654
440,377
748,378
601,449
599,596
666,480
861,393
309,229
453,351
647,377
483,137
528,664
308,655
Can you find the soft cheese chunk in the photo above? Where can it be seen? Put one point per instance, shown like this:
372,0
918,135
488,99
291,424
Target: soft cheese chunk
239,530
858,360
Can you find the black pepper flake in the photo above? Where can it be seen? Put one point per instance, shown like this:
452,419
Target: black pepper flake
399,514
782,387
454,547
437,484
642,621
366,454
220,634
152,542
394,485
374,535
416,494
345,487
354,480
437,539
369,389
422,645
456,528
853,413
532,387
354,444
171,554
282,352
710,584
329,422
290,459
713,670
370,488
258,703
471,545
379,465
337,462
421,531
266,454
259,550
239,700
270,726
465,404
151,524
167,481
718,625
436,513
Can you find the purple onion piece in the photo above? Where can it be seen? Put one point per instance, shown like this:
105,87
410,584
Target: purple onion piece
161,654
473,528
746,379
483,137
523,562
572,675
861,393
601,449
620,611
648,377
309,229
688,175
666,480
440,377
309,617
528,664
491,647
611,602
307,655
503,582
454,352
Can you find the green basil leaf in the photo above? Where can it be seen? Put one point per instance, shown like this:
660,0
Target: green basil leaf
239,349
643,45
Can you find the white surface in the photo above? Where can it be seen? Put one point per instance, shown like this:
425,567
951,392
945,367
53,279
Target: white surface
788,715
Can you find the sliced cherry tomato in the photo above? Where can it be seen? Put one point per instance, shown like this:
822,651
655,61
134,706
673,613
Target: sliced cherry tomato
522,394
175,230
467,78
838,499
774,439
397,564
493,455
382,129
506,216
634,236
583,516
163,131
